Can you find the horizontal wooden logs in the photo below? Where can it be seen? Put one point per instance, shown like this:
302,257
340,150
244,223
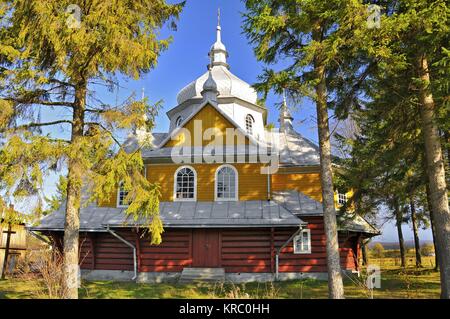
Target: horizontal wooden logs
241,250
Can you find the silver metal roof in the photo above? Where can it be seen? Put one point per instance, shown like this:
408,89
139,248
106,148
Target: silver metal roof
183,214
132,143
199,151
298,203
292,148
296,150
227,83
356,223
303,205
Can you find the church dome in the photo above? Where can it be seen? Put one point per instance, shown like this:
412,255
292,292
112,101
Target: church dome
227,83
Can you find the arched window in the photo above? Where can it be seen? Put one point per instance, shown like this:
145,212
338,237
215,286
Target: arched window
121,195
185,188
226,187
178,121
249,120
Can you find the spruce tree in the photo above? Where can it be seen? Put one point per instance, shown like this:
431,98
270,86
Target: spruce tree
312,37
54,55
413,41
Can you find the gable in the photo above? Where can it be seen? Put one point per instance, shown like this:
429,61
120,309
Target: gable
212,125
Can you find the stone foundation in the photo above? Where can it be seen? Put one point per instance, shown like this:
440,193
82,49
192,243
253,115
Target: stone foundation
172,277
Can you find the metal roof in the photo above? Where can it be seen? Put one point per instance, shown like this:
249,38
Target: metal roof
183,214
298,203
356,223
296,150
292,149
303,205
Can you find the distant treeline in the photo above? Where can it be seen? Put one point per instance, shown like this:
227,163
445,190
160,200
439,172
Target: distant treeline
409,244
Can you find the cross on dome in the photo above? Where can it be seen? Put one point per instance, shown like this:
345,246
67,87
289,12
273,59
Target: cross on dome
218,53
227,84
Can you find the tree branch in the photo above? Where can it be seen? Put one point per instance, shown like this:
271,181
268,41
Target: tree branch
31,125
96,111
40,102
106,130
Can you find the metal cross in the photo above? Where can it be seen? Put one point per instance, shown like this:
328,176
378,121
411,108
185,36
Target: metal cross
218,16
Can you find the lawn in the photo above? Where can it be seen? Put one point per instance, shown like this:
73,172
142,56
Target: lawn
395,283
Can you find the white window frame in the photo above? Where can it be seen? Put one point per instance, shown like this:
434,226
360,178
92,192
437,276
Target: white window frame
344,196
178,121
249,119
300,250
175,199
236,181
119,190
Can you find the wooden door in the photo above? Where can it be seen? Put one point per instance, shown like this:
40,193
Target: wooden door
205,248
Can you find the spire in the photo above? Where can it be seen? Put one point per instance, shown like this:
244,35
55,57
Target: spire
210,91
142,133
219,29
218,53
285,116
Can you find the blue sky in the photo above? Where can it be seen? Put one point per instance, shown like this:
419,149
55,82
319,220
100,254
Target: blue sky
187,58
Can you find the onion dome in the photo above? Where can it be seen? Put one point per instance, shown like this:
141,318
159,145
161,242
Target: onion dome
228,85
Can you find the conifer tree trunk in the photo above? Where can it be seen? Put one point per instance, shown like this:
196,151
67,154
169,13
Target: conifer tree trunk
335,283
75,179
416,233
447,160
401,241
365,257
436,175
433,231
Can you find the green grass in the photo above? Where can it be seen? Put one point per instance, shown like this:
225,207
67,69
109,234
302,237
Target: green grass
395,283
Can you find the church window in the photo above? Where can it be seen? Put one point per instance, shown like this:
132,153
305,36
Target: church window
121,196
342,198
185,184
249,120
178,121
226,183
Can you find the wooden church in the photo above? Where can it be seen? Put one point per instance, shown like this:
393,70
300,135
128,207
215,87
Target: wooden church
231,219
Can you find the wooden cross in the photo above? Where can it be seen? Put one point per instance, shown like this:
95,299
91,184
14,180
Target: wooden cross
8,240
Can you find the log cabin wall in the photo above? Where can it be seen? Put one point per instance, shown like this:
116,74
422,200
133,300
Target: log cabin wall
240,250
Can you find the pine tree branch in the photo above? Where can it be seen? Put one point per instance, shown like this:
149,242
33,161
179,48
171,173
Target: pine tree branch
39,102
64,83
96,111
106,130
31,125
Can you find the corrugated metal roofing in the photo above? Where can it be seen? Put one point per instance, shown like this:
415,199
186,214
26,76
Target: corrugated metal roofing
184,214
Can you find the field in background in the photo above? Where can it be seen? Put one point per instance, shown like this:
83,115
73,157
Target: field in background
395,283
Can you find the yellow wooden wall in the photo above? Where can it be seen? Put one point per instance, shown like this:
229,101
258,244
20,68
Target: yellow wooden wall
210,118
307,183
252,184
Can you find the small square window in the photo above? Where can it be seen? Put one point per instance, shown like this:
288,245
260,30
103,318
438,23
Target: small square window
342,198
302,242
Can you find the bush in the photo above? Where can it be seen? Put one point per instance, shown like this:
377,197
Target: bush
46,266
378,250
427,250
